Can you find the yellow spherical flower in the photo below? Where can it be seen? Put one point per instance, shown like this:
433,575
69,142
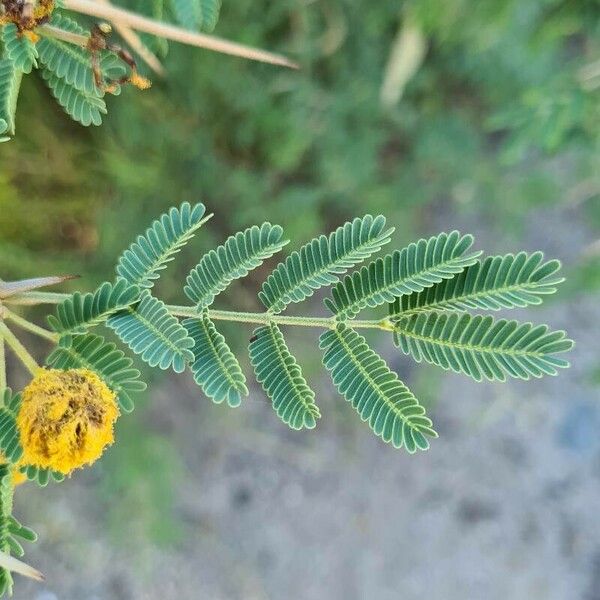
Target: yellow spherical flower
66,419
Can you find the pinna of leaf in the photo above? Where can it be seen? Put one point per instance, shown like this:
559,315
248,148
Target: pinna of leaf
428,288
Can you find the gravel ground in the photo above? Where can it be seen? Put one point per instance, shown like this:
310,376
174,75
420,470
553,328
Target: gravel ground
504,505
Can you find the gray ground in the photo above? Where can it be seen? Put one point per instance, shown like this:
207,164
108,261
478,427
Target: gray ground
504,505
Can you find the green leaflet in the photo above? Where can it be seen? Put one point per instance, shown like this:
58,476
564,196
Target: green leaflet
365,380
93,352
481,347
151,331
19,49
409,270
319,262
81,311
241,253
281,377
497,282
143,261
215,368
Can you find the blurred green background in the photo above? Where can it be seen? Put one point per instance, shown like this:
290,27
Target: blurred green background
488,118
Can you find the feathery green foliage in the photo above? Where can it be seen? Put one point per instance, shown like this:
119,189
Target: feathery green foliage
92,352
365,380
281,377
354,149
151,331
65,67
80,311
19,49
419,282
241,253
81,64
412,269
319,262
497,282
481,347
430,285
215,368
143,261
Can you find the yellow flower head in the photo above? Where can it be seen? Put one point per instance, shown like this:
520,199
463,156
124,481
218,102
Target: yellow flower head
66,419
140,82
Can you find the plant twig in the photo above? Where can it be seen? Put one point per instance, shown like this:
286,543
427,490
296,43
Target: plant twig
171,32
20,351
265,318
36,298
29,326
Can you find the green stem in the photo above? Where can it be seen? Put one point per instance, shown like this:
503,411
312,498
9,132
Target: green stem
264,318
2,368
31,327
32,298
35,298
18,348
